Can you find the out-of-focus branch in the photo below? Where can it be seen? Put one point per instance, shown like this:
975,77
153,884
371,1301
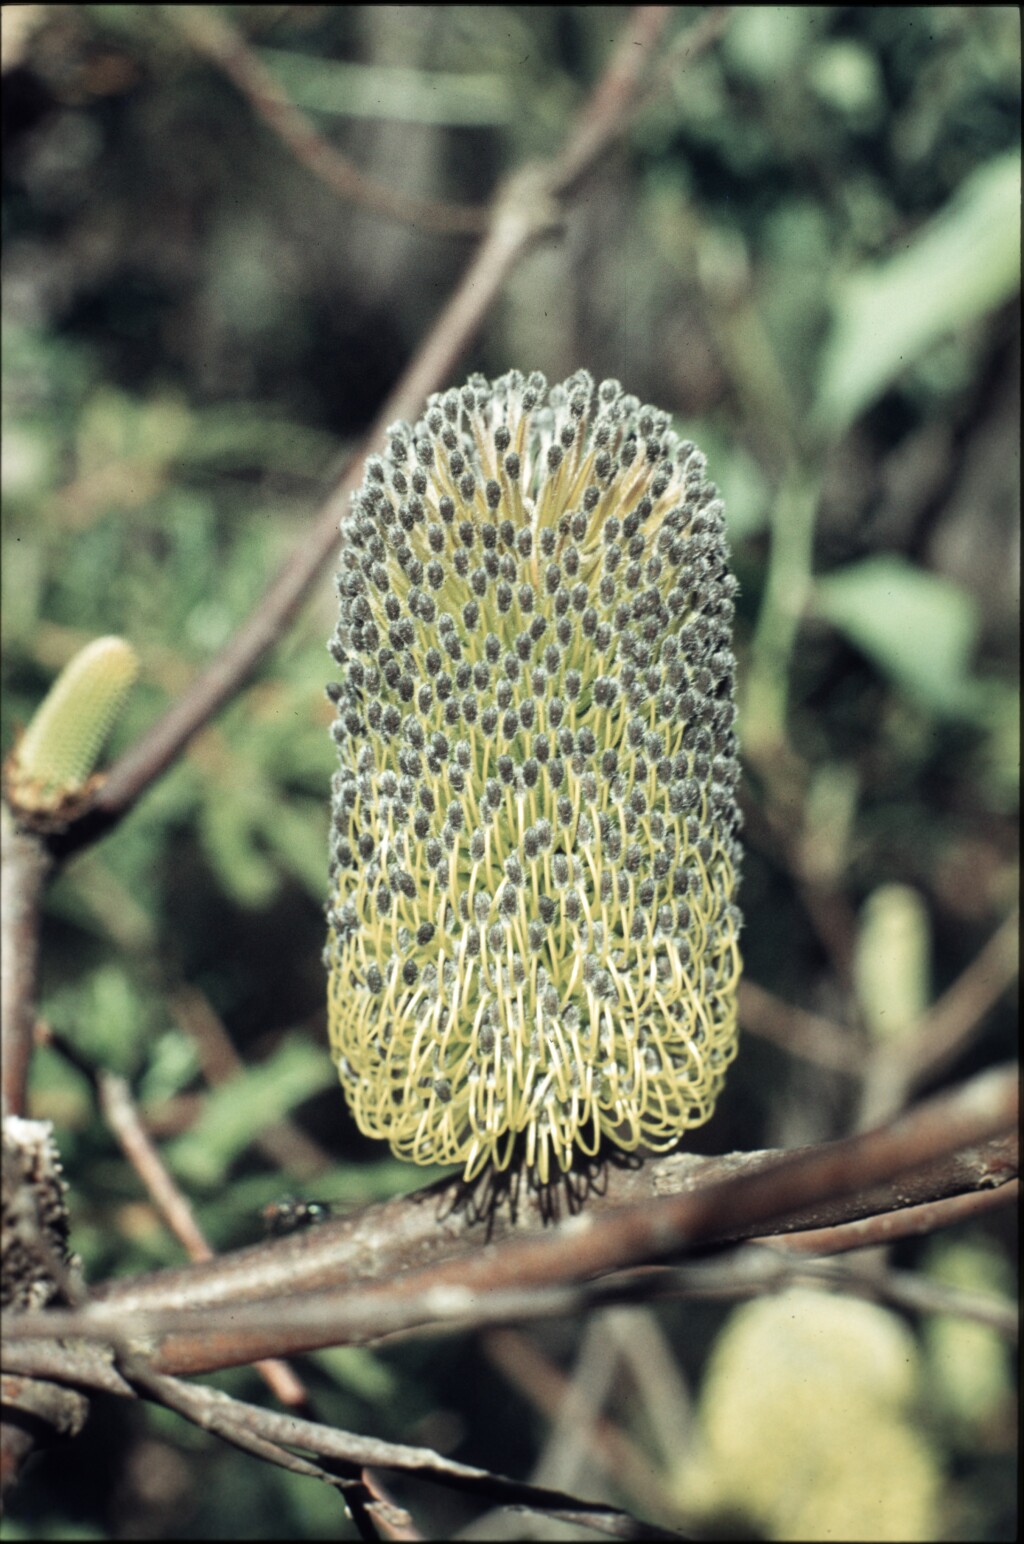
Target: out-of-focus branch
24,867
913,1291
898,1069
949,1023
746,1272
520,218
217,39
124,1119
619,1344
488,1283
619,93
803,1034
270,1433
551,1391
284,1143
753,1269
893,1072
528,206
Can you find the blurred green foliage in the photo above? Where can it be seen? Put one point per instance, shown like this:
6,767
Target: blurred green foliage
808,252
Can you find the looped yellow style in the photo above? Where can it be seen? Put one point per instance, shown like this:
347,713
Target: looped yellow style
532,928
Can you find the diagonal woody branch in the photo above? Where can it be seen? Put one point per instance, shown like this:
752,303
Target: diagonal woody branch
263,1315
257,1430
447,1222
527,207
218,40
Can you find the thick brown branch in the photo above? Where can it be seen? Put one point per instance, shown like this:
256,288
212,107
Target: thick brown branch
24,866
448,1222
838,1181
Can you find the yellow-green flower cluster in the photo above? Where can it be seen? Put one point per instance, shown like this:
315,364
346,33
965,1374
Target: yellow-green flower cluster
54,758
532,929
810,1425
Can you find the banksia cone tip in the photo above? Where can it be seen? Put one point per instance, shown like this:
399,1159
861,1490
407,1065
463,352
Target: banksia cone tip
532,933
58,751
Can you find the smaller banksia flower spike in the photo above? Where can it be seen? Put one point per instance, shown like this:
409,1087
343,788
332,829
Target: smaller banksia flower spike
54,758
542,951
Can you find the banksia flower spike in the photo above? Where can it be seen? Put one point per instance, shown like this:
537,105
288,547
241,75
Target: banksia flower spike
532,928
54,758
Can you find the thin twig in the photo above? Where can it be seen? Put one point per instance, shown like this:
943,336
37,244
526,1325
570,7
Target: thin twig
913,1291
391,1520
214,36
682,50
249,1425
886,1228
520,1360
172,1205
208,1409
753,1269
951,1022
803,1034
616,98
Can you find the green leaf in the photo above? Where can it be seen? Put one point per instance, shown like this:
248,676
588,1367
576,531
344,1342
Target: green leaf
969,1363
236,1111
105,1017
962,264
918,628
359,1371
389,91
173,1063
228,821
297,835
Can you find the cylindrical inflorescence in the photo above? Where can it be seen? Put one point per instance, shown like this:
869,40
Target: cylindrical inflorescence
532,925
59,749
